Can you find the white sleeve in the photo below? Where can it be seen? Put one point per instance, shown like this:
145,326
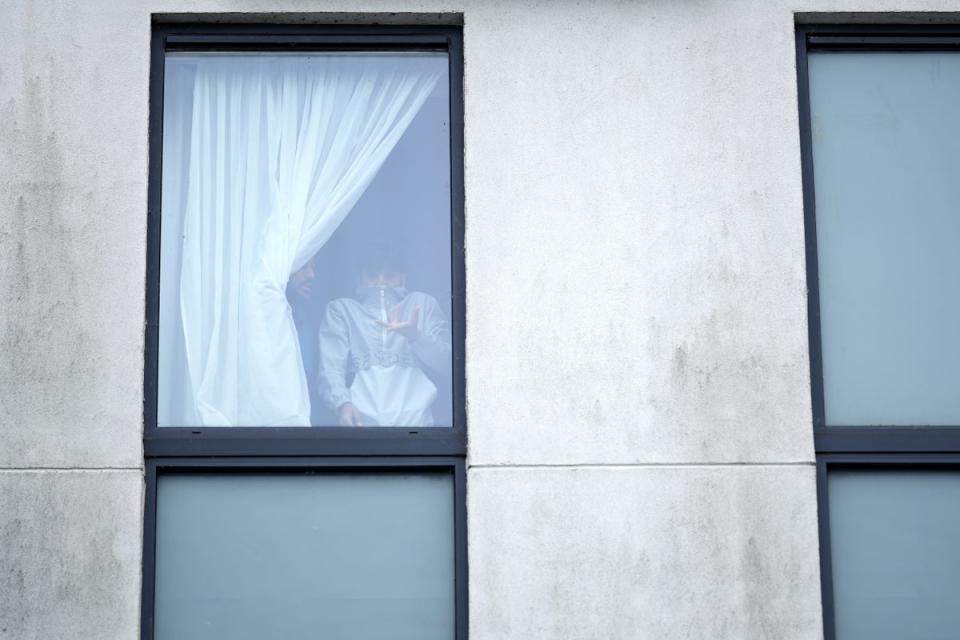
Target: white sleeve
433,346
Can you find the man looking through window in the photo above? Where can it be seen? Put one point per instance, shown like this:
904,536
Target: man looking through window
384,337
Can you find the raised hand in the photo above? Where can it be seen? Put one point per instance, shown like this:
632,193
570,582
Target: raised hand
408,328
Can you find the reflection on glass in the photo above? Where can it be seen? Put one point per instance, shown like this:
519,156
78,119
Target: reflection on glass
305,241
886,151
896,563
348,556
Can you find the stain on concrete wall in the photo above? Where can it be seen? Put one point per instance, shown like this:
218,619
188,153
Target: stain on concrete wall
72,232
70,545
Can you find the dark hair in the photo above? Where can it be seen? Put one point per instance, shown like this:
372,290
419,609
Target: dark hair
382,258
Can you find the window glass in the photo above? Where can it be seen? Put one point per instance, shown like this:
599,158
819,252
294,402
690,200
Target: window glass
349,556
305,241
896,562
886,149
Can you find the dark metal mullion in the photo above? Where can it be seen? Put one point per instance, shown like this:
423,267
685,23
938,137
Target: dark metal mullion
151,329
148,588
154,195
826,560
891,460
304,37
231,46
461,568
886,440
163,441
810,232
813,325
457,233
875,30
881,43
334,40
450,444
293,464
277,32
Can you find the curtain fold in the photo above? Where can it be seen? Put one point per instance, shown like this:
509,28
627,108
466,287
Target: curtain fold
280,150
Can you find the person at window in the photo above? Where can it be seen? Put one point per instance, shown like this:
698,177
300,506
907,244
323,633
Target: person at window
384,338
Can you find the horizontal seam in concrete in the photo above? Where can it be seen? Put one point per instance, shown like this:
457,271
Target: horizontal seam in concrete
67,469
640,465
590,465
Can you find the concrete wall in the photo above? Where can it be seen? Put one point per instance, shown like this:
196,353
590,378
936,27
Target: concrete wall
640,433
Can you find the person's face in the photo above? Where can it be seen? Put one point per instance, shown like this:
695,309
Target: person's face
302,280
383,279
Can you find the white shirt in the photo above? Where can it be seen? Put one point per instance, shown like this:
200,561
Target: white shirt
389,387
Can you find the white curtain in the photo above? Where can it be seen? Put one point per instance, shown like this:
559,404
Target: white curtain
277,150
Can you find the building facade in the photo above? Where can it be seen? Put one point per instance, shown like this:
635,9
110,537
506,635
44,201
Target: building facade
640,457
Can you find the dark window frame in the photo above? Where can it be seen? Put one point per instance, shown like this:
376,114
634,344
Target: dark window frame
863,447
456,466
189,440
300,449
862,462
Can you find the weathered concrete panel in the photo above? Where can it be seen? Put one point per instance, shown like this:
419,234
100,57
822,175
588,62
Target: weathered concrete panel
73,167
635,250
643,552
70,555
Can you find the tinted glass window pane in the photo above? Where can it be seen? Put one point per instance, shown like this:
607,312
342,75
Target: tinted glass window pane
353,557
896,562
886,142
305,241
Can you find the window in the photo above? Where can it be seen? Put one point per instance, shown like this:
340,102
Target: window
881,150
304,408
